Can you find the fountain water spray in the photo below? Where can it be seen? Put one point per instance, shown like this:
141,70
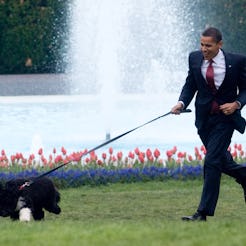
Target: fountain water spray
127,47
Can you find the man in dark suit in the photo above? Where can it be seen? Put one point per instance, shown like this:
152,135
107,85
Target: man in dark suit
218,79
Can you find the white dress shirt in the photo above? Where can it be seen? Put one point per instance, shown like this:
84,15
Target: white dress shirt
219,68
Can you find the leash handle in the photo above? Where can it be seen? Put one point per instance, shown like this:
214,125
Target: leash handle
186,111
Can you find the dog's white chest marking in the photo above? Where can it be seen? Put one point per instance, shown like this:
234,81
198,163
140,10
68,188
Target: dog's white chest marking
25,215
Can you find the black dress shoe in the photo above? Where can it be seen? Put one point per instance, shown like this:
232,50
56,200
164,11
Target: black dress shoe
195,217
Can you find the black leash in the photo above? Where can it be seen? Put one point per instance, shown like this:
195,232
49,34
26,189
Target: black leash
110,141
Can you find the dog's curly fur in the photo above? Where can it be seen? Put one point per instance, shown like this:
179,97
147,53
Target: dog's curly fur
35,194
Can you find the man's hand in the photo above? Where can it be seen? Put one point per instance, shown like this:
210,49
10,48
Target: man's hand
177,108
229,108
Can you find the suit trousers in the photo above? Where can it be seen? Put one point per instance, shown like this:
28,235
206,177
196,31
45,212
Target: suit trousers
216,136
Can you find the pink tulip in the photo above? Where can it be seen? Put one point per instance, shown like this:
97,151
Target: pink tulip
141,158
104,156
239,147
169,153
180,155
156,153
137,151
110,150
119,155
234,154
148,153
131,155
40,151
63,150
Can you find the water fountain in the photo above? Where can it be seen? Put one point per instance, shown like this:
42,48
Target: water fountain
128,63
124,55
122,46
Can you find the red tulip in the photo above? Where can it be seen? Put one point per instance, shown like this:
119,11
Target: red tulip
104,156
131,155
181,155
239,147
197,151
32,157
234,154
110,150
63,150
156,153
169,153
12,157
93,156
137,151
141,158
58,159
40,151
148,153
119,155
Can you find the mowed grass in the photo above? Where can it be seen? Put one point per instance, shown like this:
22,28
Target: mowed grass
135,214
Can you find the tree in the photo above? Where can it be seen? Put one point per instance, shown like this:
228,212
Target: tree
32,38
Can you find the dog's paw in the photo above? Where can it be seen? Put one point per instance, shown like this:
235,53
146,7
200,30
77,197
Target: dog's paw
25,215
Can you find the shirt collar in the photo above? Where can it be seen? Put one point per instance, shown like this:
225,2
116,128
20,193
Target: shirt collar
217,58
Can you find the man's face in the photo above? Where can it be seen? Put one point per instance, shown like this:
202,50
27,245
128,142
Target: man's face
209,47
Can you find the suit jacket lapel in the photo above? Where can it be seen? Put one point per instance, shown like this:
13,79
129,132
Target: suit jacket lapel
200,61
228,67
228,63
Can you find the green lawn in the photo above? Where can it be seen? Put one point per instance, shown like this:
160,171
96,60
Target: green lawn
135,214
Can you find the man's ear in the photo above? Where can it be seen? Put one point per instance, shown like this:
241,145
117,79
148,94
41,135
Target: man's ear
220,43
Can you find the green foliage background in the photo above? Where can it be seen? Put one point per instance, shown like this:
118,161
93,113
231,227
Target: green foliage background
33,29
39,30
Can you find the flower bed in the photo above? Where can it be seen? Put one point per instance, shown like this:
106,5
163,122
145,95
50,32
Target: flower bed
89,169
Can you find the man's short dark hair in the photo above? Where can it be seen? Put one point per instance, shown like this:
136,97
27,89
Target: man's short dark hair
213,32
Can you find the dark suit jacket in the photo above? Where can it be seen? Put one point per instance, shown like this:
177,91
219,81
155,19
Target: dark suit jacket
233,88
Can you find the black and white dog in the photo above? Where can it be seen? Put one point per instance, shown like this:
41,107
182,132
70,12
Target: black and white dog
25,199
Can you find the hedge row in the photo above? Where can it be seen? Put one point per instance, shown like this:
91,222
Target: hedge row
34,34
32,37
228,15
